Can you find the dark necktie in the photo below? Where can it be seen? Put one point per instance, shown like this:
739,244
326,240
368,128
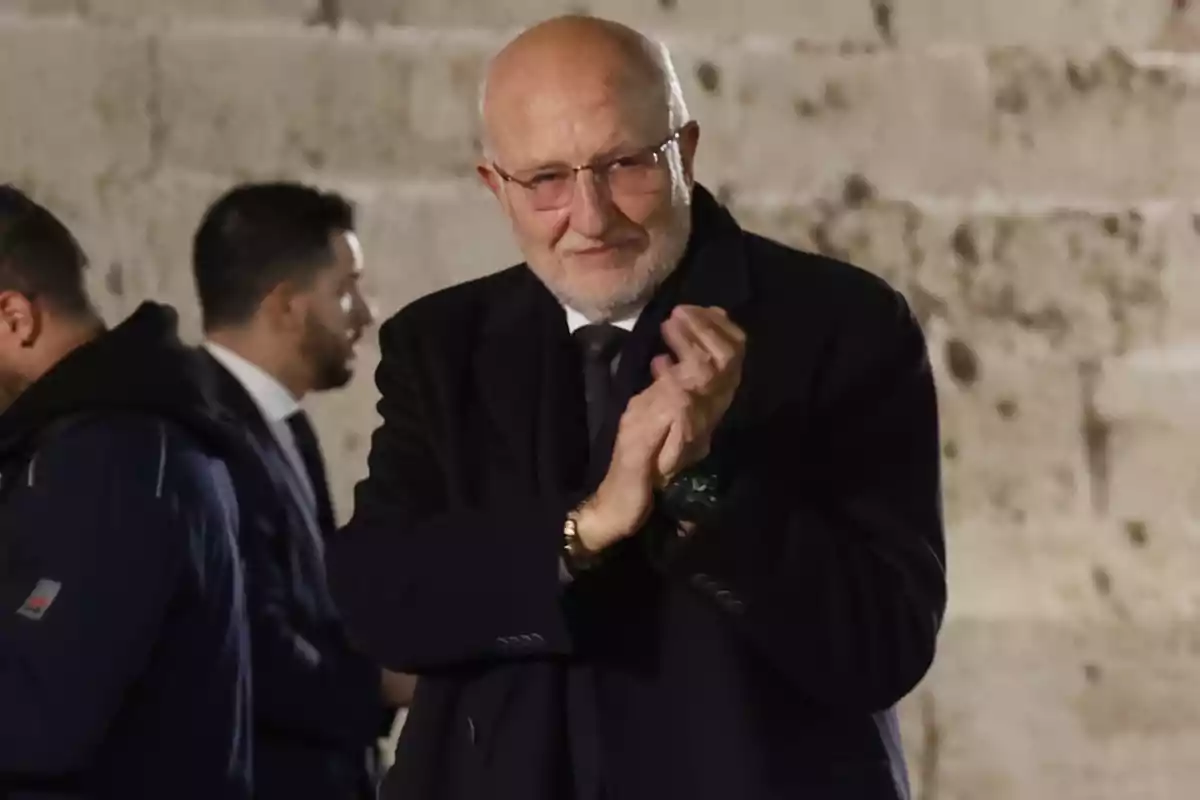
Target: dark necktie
599,344
314,465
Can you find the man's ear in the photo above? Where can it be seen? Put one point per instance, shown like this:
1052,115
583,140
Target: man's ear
20,320
490,179
689,139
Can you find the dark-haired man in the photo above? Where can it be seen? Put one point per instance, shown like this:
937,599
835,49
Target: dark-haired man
277,269
124,663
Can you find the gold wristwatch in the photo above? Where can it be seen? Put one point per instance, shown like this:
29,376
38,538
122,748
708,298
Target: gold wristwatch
576,557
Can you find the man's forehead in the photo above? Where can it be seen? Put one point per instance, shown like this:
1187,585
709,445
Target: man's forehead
561,126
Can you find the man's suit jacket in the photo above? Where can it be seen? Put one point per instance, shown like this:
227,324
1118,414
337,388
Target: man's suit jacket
759,659
318,703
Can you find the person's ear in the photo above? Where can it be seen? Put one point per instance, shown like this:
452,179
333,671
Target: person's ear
689,139
20,320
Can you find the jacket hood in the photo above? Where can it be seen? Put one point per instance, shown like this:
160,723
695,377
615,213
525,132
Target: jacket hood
139,366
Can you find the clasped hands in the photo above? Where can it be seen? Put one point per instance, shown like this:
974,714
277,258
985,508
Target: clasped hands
667,427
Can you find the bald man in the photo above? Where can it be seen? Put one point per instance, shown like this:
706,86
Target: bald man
654,514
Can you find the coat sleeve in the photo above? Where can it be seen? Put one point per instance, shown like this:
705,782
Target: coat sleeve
829,551
423,583
96,555
310,684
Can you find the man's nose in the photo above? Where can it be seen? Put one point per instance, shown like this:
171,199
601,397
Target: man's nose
592,210
365,313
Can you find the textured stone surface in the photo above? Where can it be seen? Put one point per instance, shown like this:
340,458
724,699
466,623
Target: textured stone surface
1024,171
157,11
49,7
187,10
912,122
1088,710
73,97
1009,122
831,21
1036,23
252,103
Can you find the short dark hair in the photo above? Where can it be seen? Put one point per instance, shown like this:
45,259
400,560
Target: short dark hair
39,257
257,236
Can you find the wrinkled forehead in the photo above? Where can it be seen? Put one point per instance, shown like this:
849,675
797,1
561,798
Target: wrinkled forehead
558,117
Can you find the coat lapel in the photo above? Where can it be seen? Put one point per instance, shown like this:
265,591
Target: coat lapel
238,402
527,378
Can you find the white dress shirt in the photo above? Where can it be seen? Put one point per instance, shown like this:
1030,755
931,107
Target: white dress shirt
275,403
576,320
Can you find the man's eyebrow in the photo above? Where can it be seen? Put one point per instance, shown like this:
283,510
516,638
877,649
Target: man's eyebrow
619,150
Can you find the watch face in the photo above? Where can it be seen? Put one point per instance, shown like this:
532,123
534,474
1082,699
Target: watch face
692,497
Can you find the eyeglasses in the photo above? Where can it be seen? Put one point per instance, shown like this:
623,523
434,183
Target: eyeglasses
550,188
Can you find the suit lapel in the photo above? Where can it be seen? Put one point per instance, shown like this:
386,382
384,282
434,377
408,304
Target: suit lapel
527,376
237,401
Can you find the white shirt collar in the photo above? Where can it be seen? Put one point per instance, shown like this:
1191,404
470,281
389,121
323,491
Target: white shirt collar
274,401
576,320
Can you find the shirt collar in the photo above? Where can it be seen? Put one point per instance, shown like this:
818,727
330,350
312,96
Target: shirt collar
576,320
274,401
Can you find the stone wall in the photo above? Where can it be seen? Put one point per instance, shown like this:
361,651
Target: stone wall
1024,170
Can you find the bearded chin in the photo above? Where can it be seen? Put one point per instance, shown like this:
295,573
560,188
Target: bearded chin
654,267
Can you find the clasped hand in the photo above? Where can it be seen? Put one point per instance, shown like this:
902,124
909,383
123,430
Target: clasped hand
668,426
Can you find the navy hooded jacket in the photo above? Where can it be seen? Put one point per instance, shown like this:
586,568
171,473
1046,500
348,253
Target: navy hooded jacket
124,655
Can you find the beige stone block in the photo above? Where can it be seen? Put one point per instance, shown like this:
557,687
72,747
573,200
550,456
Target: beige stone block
1155,386
1033,23
293,11
42,7
1078,284
141,11
74,95
152,225
1013,429
421,239
1148,399
851,226
1087,567
1022,710
1035,569
252,103
1098,130
1180,279
801,120
1147,403
817,20
1090,127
